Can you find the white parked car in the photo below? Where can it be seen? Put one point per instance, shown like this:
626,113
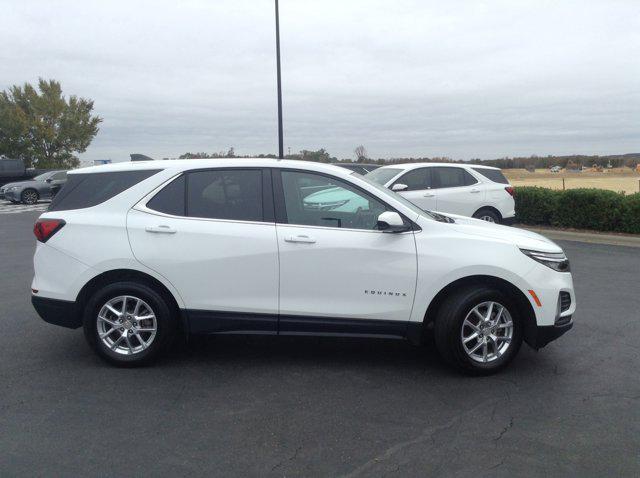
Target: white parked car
133,252
466,189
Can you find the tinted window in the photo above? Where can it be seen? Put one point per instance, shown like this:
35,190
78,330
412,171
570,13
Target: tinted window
225,194
170,200
316,200
59,176
91,189
494,175
452,177
416,179
383,175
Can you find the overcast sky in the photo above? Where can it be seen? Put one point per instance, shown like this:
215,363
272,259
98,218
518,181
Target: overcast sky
403,78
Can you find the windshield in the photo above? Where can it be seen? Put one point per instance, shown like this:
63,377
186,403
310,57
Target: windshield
383,175
397,197
43,176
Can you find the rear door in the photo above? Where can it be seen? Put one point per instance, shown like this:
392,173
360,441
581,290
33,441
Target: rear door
338,273
211,233
420,189
458,192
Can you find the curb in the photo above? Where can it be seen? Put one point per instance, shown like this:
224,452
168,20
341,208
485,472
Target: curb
588,237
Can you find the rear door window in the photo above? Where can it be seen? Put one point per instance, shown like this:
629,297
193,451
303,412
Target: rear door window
234,194
451,177
171,199
90,189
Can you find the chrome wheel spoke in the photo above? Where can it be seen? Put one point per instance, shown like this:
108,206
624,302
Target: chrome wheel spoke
127,325
486,338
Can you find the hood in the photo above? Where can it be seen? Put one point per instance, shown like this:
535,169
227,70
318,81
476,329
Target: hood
520,237
19,183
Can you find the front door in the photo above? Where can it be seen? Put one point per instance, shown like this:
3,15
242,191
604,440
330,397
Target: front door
419,188
338,273
218,247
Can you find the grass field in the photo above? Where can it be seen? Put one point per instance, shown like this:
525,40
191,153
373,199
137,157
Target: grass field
619,179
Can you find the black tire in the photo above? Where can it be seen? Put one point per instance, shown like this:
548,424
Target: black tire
488,215
449,323
166,321
29,196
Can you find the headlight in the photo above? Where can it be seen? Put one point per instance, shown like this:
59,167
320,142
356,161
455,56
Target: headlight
13,188
555,260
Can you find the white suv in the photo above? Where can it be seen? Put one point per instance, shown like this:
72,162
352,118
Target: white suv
136,252
466,189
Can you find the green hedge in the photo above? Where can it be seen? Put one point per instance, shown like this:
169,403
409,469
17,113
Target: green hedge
595,209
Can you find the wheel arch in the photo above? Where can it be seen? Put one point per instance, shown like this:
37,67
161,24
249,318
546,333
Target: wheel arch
489,208
524,305
118,275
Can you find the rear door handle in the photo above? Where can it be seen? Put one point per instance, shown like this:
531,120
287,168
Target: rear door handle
473,191
160,229
429,195
305,239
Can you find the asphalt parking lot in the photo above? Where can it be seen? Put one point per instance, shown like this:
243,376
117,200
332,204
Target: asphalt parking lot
275,406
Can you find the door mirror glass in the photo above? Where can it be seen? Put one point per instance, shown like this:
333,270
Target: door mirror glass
48,180
399,187
390,221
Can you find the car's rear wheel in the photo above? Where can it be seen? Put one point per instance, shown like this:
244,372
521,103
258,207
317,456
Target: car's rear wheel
128,323
488,215
478,330
29,196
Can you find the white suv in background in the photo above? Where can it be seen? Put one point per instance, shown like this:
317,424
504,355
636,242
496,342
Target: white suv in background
135,252
466,189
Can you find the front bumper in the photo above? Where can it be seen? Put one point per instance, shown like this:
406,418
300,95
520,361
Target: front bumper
57,312
543,334
11,196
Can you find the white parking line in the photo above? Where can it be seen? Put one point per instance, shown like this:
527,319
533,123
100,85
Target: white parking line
7,207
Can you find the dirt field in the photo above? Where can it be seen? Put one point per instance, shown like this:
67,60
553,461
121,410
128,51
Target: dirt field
625,179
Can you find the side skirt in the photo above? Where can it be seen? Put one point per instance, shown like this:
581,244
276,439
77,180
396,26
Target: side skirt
218,322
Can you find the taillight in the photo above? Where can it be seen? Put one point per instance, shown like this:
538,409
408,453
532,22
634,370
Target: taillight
510,190
45,228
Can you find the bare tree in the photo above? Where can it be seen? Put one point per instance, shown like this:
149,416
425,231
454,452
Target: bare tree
361,154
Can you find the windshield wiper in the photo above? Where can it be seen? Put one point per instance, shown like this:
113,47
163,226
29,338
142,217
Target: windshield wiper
442,217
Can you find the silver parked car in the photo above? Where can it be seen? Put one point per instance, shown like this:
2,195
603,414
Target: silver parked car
31,191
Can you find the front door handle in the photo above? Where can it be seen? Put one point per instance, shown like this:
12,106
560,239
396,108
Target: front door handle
160,229
473,191
304,239
429,195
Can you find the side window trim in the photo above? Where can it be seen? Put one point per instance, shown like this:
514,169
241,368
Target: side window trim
435,178
281,209
268,215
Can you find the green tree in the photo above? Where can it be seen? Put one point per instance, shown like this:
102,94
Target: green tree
43,128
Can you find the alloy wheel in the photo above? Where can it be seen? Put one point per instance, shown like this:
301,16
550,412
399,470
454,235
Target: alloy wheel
487,218
127,325
30,197
487,332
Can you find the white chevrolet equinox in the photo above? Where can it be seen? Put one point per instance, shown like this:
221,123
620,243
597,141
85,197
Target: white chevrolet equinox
466,189
135,253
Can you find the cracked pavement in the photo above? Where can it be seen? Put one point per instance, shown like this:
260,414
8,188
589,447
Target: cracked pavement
269,406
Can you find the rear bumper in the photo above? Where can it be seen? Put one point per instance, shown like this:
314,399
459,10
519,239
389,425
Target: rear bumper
57,312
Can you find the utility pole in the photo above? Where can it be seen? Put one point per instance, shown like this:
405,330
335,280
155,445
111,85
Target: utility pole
280,138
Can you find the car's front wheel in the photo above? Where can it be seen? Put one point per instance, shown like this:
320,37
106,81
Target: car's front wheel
128,323
29,196
478,330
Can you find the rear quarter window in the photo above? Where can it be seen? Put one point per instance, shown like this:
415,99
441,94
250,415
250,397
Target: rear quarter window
90,189
494,175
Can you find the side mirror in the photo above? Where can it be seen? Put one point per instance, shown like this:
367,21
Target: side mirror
390,221
48,180
399,187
